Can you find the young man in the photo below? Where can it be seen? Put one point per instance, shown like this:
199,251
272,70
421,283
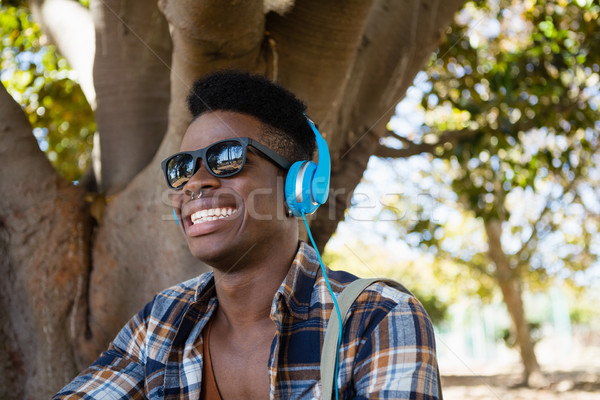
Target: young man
253,327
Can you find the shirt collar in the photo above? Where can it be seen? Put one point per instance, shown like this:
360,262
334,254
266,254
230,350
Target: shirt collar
296,289
206,287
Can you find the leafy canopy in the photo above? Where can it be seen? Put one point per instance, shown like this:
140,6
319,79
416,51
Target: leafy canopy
40,80
510,107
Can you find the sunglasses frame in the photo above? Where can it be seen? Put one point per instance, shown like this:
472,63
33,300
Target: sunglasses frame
201,154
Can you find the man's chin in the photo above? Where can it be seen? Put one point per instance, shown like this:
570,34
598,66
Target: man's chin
213,255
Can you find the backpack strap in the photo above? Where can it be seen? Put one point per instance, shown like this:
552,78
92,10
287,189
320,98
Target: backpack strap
328,351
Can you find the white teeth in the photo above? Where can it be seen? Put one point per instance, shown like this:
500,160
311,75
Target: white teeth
211,214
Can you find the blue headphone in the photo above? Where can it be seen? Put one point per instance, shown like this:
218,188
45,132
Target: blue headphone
307,184
306,188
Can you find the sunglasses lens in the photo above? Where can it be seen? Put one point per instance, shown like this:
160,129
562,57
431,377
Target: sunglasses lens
180,169
225,158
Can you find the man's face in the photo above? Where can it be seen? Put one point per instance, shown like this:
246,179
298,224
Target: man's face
236,217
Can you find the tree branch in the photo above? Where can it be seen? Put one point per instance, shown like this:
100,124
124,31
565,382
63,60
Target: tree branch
420,148
504,272
132,82
202,46
400,138
70,27
318,42
344,179
385,54
398,39
24,165
534,233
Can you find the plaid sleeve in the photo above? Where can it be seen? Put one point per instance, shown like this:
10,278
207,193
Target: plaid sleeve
119,372
397,358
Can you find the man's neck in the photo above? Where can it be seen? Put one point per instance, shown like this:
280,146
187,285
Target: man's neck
246,294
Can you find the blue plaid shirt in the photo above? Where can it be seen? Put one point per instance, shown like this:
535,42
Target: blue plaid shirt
387,352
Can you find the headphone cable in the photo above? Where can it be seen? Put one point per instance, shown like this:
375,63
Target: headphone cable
335,303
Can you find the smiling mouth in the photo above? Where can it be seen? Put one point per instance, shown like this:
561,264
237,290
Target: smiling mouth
211,214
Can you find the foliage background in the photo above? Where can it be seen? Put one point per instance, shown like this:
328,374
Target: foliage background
40,80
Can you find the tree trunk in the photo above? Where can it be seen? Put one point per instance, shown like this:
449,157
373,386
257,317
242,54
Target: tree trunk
72,279
509,283
44,263
200,46
397,40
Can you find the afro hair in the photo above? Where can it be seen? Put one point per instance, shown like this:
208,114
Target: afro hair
281,112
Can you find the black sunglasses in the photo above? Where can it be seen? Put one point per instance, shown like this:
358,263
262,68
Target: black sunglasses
222,159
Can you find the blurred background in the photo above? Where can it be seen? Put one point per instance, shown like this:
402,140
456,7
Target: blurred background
520,81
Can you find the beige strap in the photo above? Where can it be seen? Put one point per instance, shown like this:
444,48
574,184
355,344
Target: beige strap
329,350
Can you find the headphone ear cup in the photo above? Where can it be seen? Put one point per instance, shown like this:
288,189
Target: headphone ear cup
298,188
290,188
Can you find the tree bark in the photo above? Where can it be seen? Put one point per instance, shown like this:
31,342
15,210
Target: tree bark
509,283
201,46
44,261
131,75
317,43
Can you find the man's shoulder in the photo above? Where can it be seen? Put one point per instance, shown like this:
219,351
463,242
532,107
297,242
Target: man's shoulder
385,299
390,290
383,288
390,297
380,297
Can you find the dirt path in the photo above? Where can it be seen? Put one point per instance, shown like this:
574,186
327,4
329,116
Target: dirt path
576,385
